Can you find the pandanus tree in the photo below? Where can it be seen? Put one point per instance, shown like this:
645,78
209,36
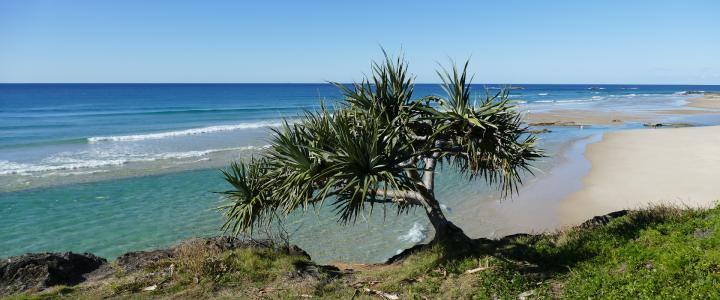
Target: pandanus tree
380,145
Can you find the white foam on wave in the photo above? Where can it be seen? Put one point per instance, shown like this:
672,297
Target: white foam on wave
571,101
416,234
684,93
65,163
14,168
186,132
543,94
445,208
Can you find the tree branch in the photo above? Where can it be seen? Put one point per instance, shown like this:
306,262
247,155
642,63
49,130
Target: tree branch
404,197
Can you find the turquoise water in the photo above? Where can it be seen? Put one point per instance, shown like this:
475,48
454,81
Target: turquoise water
113,168
111,217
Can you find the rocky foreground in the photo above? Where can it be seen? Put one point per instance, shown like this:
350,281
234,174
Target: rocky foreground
34,272
660,252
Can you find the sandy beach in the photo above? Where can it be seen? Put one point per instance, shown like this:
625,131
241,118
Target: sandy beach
636,168
708,100
708,103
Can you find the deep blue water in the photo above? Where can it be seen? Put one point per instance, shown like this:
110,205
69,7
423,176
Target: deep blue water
71,113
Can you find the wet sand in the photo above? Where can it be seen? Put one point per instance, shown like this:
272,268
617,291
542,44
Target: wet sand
705,104
535,208
577,117
708,100
636,168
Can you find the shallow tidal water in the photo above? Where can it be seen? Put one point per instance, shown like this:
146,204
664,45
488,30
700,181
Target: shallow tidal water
111,217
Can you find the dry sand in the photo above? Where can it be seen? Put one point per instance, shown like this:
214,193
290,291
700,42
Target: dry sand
635,168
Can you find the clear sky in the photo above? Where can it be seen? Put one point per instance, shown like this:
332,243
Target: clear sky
313,41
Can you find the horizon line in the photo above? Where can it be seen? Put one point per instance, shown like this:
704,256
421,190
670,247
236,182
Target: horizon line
330,83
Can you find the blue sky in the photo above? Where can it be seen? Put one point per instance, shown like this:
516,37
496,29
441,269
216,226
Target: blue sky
637,42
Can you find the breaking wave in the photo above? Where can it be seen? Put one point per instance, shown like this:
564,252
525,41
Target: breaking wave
185,132
65,163
416,234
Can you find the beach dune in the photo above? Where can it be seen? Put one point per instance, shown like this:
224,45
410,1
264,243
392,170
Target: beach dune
636,168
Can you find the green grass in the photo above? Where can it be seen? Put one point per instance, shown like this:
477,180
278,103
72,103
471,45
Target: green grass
663,252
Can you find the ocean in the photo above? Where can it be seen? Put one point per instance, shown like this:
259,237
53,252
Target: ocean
110,168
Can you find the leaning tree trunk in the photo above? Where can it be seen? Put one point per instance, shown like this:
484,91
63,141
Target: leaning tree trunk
445,231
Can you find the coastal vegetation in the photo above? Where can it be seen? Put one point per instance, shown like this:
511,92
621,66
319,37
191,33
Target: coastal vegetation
660,252
381,145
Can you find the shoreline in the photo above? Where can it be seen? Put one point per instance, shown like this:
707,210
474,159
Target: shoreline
535,207
704,104
636,168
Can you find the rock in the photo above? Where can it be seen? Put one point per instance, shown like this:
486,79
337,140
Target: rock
513,237
38,271
559,123
526,294
225,243
539,131
604,219
312,270
672,125
702,233
137,260
297,251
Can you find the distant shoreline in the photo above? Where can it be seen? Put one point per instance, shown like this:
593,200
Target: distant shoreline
704,104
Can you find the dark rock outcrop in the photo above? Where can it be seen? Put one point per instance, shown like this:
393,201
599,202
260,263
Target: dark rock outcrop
297,251
225,243
598,221
670,125
559,123
137,260
540,131
38,271
692,93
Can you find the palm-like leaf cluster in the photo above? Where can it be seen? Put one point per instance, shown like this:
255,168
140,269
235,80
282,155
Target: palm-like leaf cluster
378,146
487,138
